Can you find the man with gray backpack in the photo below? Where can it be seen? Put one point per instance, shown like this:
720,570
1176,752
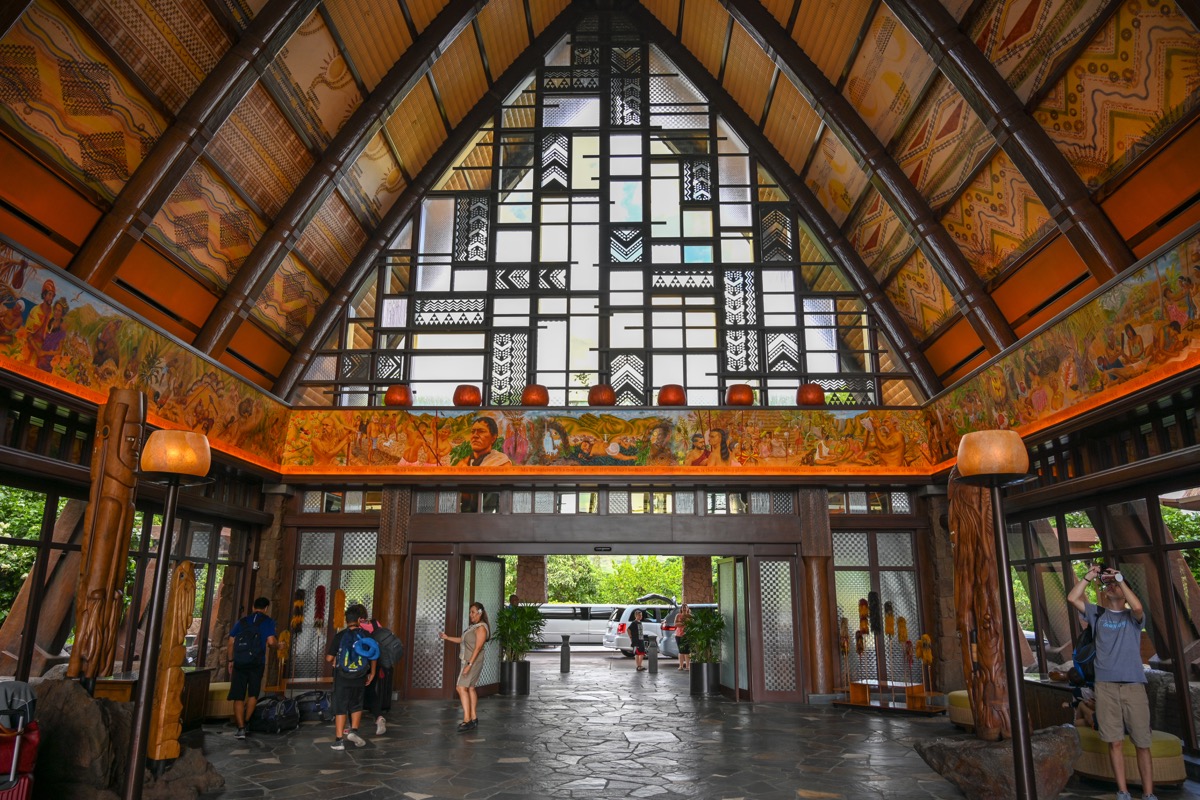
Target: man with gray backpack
249,641
377,698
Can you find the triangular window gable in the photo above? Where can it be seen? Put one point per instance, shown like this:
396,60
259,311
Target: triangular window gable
609,227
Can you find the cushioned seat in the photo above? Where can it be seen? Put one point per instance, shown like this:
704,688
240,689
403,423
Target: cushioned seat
1166,751
959,704
218,707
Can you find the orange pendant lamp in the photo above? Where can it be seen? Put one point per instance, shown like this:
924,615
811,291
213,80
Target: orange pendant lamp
672,394
398,396
467,395
602,395
810,394
535,395
739,394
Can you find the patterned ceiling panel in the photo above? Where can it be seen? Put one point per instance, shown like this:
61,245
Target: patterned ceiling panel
460,77
877,235
704,25
331,240
828,33
424,11
792,124
374,34
1133,81
416,128
207,226
997,219
171,46
747,73
63,96
1026,39
943,144
502,25
261,150
374,182
543,12
835,177
290,301
920,297
888,76
315,80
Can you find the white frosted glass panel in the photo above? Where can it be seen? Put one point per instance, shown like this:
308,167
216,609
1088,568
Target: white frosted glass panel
462,368
514,245
626,202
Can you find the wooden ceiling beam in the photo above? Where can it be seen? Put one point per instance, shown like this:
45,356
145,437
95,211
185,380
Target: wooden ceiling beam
169,160
822,223
321,180
377,243
1057,185
910,207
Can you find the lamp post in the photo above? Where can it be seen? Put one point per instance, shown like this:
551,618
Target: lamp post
168,456
996,459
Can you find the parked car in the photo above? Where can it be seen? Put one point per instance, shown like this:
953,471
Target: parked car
617,635
585,623
668,644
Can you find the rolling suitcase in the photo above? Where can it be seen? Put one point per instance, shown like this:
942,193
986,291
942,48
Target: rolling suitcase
18,785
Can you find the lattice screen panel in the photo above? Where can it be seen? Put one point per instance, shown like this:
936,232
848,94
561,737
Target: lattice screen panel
779,626
429,617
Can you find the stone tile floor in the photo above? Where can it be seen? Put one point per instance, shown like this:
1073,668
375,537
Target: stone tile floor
603,731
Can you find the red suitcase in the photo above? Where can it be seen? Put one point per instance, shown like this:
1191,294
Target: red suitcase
19,789
18,786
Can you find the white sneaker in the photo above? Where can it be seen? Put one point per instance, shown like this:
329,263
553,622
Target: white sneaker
380,727
352,736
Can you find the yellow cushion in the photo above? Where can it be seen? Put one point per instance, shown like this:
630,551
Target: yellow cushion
960,698
1162,745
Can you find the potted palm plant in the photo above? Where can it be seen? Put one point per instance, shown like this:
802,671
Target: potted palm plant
518,630
704,633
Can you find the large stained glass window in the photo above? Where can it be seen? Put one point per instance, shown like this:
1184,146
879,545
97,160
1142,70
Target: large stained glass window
607,226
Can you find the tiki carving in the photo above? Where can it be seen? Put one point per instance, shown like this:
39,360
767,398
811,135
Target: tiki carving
977,604
107,527
166,719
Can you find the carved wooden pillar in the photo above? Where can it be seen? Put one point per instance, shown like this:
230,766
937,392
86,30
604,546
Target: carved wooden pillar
390,552
108,525
819,616
166,720
531,579
697,579
977,605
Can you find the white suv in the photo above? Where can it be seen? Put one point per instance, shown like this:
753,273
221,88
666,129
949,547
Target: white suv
617,635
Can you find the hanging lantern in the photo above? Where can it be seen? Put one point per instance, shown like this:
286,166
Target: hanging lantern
739,394
467,395
399,396
672,395
810,394
602,395
535,395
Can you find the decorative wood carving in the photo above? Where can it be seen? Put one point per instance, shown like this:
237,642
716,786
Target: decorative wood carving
977,604
107,526
166,719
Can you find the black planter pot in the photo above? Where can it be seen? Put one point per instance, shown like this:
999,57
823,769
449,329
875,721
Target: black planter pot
706,678
514,677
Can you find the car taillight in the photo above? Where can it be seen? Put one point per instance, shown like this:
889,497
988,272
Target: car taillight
668,627
620,628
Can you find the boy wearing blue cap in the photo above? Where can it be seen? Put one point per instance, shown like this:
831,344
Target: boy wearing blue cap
352,654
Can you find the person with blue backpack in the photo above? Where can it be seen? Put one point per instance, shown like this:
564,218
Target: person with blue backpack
249,641
1116,620
352,653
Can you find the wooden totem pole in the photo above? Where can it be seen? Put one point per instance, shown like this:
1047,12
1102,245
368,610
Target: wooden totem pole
107,527
166,719
977,604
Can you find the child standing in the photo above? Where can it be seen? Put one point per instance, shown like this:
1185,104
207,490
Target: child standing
352,653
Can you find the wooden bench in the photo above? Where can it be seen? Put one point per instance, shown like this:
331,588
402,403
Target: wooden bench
959,704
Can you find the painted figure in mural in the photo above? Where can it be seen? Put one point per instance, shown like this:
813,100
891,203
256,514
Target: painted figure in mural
892,444
38,321
107,526
977,607
516,444
12,309
720,455
483,434
593,452
166,717
107,353
662,451
1133,348
329,443
56,334
1170,342
698,455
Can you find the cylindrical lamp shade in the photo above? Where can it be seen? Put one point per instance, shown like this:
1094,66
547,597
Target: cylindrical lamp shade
602,395
739,394
399,395
672,395
177,453
810,394
467,395
992,453
535,395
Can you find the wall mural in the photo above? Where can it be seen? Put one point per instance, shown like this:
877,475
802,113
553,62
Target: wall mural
722,440
56,332
1139,331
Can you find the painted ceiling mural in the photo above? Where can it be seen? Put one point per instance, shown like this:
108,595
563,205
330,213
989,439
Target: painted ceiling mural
876,233
68,101
290,300
1135,79
920,296
835,177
